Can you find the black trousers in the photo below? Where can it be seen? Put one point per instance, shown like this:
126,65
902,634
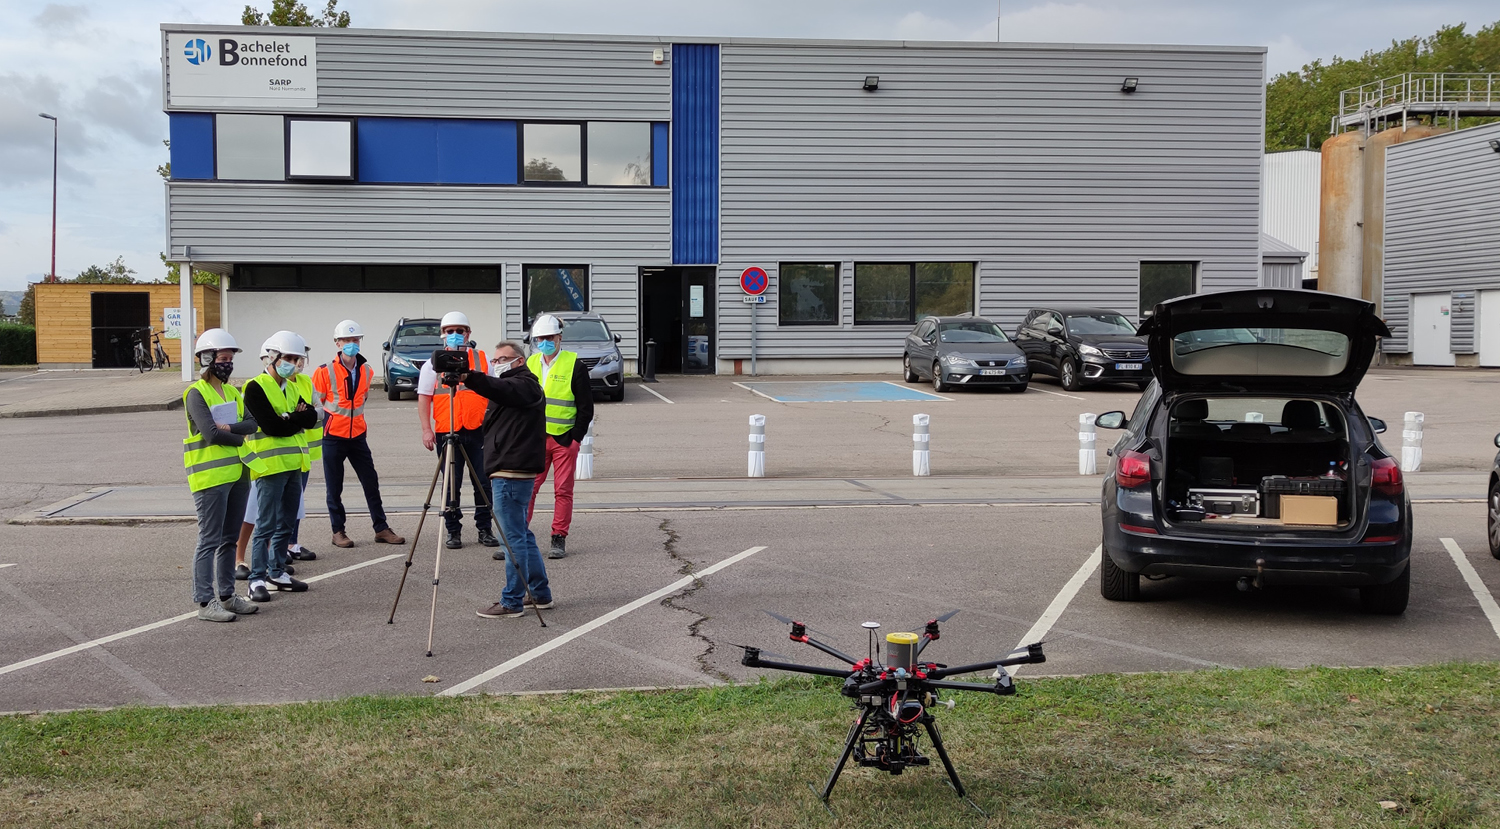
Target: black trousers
472,440
357,452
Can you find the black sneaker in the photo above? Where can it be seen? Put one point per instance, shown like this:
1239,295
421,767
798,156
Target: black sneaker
258,592
559,547
287,584
289,570
454,542
241,572
303,554
488,538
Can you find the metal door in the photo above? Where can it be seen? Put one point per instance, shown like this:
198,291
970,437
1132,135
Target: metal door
1431,325
1489,328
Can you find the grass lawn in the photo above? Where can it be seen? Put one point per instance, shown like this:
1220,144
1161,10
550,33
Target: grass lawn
1256,748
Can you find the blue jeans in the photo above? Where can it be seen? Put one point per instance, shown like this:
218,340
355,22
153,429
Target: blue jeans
297,522
524,565
277,497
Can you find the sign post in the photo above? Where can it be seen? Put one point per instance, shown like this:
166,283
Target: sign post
753,281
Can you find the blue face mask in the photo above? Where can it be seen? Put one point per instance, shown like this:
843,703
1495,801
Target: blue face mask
547,347
454,340
350,349
285,369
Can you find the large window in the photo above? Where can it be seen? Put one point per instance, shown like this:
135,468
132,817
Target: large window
425,278
320,148
553,288
552,152
619,153
1161,281
900,292
249,148
807,293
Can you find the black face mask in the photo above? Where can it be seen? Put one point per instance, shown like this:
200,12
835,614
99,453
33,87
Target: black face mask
221,370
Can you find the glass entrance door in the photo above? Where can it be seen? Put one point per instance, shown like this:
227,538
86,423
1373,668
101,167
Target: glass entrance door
698,320
677,313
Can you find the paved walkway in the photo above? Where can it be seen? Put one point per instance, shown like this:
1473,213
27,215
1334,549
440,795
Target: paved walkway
89,391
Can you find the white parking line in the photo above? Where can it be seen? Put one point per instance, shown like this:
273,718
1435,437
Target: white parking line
657,393
3,566
598,622
1057,393
1476,585
1060,602
761,393
125,634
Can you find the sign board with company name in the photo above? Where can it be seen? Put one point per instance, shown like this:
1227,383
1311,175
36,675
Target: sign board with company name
241,71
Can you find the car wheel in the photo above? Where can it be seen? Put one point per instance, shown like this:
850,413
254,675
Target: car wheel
907,373
1494,521
392,393
1387,599
937,379
1068,375
1115,584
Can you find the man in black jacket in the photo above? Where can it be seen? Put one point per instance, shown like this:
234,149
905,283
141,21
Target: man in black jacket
515,452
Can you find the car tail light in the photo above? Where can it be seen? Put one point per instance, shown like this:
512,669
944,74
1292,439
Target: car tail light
1133,469
1385,476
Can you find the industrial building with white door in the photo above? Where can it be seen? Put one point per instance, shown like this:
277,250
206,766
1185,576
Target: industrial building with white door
386,174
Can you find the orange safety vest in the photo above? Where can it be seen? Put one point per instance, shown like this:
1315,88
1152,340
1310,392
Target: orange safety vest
343,418
471,405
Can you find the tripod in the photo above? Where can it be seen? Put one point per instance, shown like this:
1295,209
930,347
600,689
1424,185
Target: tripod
448,454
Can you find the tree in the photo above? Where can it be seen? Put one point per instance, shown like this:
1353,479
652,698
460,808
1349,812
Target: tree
294,13
542,169
174,274
115,273
1300,105
165,170
27,312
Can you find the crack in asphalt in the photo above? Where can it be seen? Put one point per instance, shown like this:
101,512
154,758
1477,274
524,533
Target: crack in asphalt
694,629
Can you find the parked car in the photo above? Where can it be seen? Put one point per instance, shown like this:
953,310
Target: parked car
962,352
1198,481
1494,518
1084,346
411,344
588,336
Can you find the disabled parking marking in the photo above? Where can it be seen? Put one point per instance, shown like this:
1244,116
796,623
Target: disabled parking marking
146,628
838,391
1476,586
1060,602
598,622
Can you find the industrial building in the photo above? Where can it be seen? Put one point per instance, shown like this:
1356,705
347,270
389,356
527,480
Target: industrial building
386,174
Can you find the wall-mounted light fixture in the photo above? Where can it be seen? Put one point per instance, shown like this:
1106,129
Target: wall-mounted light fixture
1129,84
657,56
1495,144
872,83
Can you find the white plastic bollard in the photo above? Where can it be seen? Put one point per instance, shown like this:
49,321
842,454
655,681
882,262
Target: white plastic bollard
585,467
921,458
1411,442
757,446
1088,463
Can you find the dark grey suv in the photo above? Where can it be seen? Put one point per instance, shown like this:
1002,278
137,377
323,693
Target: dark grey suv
1084,346
588,336
962,352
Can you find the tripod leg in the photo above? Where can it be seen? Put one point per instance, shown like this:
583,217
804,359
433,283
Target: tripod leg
510,555
410,554
854,732
937,743
451,487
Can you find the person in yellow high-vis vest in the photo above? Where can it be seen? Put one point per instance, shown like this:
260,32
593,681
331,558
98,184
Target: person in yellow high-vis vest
216,475
314,440
278,455
570,410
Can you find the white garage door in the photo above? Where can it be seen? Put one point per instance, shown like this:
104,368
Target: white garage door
1489,328
1431,318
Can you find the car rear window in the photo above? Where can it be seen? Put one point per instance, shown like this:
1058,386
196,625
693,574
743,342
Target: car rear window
585,331
1286,352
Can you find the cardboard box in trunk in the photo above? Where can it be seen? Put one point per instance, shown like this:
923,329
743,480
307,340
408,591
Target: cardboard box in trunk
1310,510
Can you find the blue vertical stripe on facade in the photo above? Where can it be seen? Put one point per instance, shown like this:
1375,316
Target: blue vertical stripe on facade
192,150
437,151
661,158
695,154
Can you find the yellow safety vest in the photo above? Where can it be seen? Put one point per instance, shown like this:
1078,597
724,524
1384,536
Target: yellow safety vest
266,455
311,438
209,465
562,407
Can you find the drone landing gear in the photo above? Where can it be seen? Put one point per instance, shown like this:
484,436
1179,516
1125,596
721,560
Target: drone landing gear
893,765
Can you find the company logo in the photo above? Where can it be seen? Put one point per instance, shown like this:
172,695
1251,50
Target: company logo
198,52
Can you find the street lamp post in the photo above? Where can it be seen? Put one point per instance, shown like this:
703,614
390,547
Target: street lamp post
52,274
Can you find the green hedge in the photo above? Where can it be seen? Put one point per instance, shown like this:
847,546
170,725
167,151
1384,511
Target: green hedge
17,345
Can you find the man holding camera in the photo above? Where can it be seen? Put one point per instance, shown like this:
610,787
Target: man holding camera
515,441
570,410
466,414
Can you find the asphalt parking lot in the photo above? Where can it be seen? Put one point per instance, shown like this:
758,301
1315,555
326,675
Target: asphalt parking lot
1015,565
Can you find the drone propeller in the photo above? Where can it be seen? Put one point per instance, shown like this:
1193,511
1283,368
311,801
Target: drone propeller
762,651
787,620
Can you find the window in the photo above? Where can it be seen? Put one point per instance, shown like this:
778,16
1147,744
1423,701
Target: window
807,293
975,331
886,293
331,277
553,288
410,278
1161,281
1101,324
552,152
619,153
320,148
249,148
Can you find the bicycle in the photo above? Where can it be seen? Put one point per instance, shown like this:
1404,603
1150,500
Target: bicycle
142,355
162,360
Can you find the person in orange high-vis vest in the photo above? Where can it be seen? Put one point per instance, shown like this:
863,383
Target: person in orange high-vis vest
343,385
468,419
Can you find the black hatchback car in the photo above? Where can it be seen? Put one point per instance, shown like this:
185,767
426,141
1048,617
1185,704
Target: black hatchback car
962,352
1250,460
1084,346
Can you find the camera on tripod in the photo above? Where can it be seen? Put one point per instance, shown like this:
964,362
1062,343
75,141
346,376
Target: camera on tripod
451,365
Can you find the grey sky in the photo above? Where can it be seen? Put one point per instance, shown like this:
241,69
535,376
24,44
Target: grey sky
96,65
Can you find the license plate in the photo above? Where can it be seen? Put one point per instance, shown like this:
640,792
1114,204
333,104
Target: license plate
991,372
1127,366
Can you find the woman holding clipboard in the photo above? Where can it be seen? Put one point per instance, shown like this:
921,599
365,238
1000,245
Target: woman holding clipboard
219,480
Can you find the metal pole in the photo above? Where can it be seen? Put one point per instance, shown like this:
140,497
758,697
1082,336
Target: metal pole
54,201
753,307
185,299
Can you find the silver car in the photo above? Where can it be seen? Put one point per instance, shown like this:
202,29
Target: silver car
588,336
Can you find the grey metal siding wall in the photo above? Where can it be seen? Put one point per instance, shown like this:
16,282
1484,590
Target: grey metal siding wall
1282,275
614,231
1442,226
1461,339
1027,160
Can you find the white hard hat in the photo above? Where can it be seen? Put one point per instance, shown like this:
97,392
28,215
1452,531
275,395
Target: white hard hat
215,339
284,342
346,329
545,326
455,318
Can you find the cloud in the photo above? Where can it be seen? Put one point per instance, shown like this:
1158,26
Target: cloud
60,19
